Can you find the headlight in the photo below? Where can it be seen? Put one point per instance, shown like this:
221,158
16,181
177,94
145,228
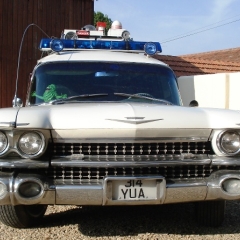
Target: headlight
3,142
229,142
31,143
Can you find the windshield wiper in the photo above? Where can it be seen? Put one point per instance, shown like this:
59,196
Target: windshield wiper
141,96
63,100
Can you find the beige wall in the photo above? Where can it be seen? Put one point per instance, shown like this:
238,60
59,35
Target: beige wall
220,90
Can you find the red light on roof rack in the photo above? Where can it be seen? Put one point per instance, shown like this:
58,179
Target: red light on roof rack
83,33
101,24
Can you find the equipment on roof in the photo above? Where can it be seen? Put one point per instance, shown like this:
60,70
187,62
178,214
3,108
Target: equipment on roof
91,38
116,30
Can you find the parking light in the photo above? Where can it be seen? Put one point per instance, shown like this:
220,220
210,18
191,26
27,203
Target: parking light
231,186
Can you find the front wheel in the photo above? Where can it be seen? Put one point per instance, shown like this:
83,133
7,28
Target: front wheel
21,216
210,213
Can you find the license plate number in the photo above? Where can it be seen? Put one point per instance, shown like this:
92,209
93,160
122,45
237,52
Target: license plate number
136,189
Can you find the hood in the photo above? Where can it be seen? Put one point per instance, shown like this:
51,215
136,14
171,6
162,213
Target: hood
129,121
124,115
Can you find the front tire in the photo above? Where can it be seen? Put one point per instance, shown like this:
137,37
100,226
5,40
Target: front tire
210,213
22,216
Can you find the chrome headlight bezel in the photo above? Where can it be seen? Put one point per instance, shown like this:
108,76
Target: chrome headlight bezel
38,150
5,147
220,147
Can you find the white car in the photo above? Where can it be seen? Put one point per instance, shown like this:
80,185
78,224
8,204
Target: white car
103,124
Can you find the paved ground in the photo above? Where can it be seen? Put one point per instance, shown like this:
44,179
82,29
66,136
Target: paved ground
151,222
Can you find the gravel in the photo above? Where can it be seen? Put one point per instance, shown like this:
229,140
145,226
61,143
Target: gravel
138,222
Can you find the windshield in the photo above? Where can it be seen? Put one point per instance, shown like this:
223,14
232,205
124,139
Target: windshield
103,81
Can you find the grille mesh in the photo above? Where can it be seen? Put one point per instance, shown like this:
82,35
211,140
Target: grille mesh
169,172
64,149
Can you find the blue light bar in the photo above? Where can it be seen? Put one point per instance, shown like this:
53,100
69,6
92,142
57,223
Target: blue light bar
45,45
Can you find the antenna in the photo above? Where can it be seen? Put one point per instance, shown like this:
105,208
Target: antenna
19,57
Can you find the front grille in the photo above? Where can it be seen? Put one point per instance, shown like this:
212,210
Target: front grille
166,148
169,172
151,152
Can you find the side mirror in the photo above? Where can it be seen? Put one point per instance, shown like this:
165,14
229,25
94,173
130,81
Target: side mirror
193,103
17,102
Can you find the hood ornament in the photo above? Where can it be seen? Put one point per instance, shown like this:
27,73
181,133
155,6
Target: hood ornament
135,120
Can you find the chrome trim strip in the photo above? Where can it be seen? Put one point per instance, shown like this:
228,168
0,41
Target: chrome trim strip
136,121
23,163
7,124
130,140
225,161
22,124
178,183
135,118
131,158
134,162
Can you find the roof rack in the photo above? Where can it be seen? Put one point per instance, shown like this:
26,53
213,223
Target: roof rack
91,38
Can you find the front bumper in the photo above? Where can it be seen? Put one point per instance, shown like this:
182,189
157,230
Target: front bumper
100,192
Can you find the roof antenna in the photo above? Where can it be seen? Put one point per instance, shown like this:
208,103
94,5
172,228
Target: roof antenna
16,102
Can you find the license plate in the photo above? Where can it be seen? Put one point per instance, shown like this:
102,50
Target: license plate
134,189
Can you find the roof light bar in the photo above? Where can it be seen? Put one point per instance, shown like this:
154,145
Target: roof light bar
58,45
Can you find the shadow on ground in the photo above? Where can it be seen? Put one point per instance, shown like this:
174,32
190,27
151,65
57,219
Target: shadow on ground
131,221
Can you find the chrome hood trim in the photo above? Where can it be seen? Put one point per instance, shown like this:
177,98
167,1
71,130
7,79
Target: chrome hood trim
134,120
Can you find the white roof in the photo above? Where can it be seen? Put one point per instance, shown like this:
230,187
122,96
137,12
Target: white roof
100,55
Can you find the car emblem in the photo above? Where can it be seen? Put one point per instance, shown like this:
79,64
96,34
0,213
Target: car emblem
135,120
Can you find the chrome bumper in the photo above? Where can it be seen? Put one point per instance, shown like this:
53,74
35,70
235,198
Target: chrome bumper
99,192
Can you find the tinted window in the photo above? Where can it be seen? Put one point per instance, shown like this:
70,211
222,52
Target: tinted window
60,80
